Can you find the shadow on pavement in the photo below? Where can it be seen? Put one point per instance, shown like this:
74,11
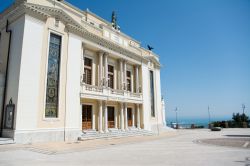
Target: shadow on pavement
237,135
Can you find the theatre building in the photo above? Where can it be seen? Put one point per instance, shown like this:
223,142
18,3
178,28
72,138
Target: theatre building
66,72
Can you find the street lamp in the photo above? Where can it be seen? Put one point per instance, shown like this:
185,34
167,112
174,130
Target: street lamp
243,108
176,118
209,117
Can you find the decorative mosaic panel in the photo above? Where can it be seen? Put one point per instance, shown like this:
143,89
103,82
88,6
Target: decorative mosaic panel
53,72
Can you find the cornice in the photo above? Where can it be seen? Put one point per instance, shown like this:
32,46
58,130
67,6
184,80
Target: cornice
44,12
74,26
104,43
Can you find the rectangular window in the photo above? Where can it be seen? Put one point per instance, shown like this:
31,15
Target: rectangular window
129,81
152,94
53,73
0,46
87,76
111,76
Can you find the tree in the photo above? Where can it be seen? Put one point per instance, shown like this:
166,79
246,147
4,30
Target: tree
238,118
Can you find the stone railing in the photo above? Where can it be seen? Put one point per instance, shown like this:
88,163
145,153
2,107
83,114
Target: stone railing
117,91
134,94
92,88
106,91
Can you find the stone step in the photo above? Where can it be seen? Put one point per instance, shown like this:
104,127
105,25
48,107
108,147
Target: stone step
89,131
114,133
4,141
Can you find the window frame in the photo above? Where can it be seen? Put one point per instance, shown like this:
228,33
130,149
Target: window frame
113,74
152,93
59,75
88,68
130,81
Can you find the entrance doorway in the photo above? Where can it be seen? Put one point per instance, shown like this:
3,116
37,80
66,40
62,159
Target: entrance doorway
111,117
129,110
86,117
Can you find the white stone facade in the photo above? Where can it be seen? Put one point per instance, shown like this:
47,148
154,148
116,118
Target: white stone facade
123,78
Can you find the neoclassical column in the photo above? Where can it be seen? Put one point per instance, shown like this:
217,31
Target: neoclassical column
121,116
100,117
138,116
82,64
93,120
137,79
133,118
126,116
125,74
105,117
116,119
106,69
121,75
100,80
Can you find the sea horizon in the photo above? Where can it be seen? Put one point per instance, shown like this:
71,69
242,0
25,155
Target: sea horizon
195,120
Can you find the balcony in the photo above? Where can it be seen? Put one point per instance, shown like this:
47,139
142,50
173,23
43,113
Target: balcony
105,93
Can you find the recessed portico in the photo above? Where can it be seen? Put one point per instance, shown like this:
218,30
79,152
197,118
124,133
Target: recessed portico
103,116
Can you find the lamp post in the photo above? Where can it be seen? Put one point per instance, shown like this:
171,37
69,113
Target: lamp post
176,118
209,117
244,123
243,108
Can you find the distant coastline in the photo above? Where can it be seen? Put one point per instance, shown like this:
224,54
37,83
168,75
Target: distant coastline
196,121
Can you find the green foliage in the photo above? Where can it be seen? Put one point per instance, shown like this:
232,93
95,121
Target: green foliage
240,117
238,121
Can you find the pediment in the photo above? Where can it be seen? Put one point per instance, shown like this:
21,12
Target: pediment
53,12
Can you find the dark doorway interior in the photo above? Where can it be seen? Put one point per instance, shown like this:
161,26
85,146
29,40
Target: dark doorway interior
86,117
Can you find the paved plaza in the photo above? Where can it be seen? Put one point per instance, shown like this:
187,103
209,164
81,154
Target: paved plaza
177,148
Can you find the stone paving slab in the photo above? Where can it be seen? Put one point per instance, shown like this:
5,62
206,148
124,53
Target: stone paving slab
53,148
176,149
231,142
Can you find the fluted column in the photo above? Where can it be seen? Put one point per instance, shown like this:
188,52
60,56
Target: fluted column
93,120
125,74
106,69
105,117
133,118
121,76
121,116
126,116
137,79
116,119
100,117
100,80
138,116
82,64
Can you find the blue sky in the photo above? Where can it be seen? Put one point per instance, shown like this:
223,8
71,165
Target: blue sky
204,48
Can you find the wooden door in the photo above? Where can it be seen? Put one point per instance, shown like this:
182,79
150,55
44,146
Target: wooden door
111,117
129,116
86,117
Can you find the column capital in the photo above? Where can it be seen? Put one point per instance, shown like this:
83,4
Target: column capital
137,66
100,52
106,54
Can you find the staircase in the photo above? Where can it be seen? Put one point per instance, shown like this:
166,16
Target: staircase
113,133
4,141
